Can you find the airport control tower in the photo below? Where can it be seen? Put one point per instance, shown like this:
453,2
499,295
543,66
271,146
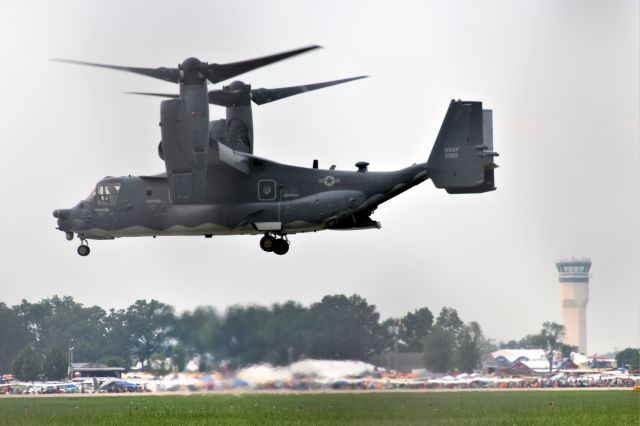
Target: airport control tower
574,294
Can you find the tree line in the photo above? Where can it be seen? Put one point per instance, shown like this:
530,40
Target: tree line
35,337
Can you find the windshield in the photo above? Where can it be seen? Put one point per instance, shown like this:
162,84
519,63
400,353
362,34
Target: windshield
89,198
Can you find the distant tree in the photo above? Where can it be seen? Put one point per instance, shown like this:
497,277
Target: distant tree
118,339
415,326
286,331
567,349
241,338
439,347
533,341
159,364
552,334
178,356
485,345
55,321
468,347
629,357
115,361
452,344
26,366
391,329
56,364
197,331
35,317
448,319
511,344
343,328
14,335
203,366
148,323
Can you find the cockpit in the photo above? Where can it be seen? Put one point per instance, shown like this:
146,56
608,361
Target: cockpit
91,197
105,193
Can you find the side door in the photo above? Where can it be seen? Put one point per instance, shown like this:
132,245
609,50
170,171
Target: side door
268,193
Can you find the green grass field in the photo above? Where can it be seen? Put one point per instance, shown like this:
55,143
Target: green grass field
433,408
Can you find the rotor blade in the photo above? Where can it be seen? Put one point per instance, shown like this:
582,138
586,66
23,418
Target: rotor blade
263,96
162,95
216,73
167,74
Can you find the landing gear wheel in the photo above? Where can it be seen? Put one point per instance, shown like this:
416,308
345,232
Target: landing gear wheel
84,250
267,243
281,246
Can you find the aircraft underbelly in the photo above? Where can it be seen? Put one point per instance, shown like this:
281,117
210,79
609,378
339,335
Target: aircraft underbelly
306,214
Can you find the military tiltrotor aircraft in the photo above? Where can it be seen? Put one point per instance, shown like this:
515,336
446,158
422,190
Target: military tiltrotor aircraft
214,185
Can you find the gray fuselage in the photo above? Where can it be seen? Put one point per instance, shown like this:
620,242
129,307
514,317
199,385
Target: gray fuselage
273,197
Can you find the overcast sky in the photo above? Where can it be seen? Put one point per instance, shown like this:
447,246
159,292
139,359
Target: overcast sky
561,76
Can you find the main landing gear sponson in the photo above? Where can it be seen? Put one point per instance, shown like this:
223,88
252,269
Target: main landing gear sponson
270,243
83,249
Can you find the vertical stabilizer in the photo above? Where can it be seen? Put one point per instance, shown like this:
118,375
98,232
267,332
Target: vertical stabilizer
461,160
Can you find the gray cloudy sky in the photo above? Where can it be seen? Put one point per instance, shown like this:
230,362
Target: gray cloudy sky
561,76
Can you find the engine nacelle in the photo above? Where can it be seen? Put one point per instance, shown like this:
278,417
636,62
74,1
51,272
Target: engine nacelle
181,148
236,131
240,120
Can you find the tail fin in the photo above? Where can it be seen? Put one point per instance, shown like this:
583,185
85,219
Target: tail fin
461,160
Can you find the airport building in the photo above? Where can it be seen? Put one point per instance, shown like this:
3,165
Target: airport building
574,295
94,369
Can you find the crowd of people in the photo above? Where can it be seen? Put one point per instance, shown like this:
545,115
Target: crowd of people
325,375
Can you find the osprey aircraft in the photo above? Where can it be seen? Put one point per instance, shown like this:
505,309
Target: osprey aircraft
214,185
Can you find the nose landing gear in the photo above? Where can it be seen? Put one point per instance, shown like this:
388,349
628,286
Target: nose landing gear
270,243
83,249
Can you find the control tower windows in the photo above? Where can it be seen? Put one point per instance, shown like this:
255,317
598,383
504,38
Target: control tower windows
573,268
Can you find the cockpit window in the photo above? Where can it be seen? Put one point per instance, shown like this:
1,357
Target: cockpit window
108,194
91,196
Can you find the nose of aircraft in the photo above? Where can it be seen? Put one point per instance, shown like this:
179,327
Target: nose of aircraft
63,223
61,213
